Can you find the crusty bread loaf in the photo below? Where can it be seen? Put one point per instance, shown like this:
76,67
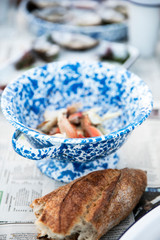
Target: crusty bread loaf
88,207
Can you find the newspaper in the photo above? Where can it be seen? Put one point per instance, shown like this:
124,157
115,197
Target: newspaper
17,232
21,181
142,150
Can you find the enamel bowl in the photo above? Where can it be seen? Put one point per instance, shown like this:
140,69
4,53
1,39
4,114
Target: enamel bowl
60,84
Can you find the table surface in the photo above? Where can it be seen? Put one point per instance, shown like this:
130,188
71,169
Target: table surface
13,40
149,70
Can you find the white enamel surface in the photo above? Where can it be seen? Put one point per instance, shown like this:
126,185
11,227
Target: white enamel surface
146,2
147,228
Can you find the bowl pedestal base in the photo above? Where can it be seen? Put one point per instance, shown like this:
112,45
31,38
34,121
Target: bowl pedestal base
67,171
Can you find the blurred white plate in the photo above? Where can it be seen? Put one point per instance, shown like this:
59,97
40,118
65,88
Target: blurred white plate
147,228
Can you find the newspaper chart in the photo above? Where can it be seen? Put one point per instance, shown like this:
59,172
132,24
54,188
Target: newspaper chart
21,182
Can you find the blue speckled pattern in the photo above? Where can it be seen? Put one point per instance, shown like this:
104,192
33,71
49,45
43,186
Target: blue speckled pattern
111,32
67,171
60,84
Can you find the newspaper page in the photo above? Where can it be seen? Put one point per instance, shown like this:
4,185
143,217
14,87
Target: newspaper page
21,182
17,232
142,150
21,231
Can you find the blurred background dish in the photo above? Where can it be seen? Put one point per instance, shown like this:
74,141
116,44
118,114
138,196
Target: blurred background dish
101,20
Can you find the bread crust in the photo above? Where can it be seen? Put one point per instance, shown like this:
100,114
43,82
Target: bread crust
101,198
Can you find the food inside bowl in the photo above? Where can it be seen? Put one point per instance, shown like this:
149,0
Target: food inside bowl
74,123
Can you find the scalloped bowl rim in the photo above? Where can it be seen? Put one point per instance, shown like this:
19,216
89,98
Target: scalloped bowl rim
40,136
